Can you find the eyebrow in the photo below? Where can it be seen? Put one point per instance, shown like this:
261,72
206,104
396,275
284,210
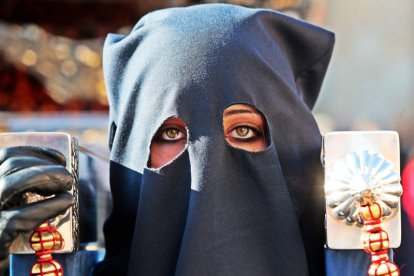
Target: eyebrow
239,111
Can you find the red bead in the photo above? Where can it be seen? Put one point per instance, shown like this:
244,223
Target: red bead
43,240
375,241
385,268
49,268
371,212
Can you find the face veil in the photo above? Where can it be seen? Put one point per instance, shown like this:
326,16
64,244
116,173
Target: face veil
216,209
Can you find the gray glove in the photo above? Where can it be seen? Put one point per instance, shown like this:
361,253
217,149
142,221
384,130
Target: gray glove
30,169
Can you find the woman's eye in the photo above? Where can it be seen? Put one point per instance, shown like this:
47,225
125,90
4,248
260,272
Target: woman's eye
244,127
172,134
243,132
167,143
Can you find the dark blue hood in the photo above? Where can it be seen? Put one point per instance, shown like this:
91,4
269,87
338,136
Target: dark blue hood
215,209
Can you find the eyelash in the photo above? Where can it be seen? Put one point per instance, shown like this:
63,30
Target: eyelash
159,139
257,133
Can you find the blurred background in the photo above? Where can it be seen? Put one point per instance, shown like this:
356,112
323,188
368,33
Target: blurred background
50,61
51,79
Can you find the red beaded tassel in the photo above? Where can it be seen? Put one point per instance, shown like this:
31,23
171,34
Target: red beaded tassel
376,242
44,240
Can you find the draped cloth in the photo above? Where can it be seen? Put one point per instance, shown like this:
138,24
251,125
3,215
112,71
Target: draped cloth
215,209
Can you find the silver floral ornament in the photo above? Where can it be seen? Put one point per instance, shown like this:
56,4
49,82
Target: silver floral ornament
361,178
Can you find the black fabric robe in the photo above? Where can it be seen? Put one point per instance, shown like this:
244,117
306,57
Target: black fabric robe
215,209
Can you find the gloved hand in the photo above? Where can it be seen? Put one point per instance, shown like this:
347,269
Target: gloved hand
30,169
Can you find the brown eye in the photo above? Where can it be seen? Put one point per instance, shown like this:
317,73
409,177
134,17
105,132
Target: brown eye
167,143
244,127
171,134
242,131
